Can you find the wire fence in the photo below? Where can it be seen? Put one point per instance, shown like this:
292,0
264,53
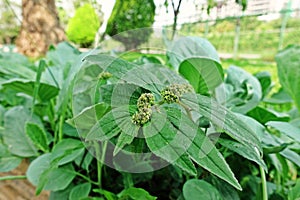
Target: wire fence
248,36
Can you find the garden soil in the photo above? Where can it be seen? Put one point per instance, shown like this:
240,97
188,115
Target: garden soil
19,189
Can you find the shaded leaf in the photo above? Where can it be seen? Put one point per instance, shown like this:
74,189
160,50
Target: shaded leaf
195,189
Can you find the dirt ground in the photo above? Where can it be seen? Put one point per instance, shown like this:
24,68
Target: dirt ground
19,189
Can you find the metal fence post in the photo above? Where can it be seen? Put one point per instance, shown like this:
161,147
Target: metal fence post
285,16
236,38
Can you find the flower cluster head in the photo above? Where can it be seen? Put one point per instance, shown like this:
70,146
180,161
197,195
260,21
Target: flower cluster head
143,115
104,75
172,93
146,100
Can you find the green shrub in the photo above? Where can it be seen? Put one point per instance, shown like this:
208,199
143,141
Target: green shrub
128,15
83,27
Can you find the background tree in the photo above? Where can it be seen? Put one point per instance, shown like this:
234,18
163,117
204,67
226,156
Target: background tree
128,15
81,32
40,27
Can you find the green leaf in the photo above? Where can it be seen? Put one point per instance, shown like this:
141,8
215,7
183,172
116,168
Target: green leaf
136,194
112,123
37,136
61,194
67,150
286,128
243,150
37,167
108,195
226,191
45,174
224,119
60,178
280,97
179,135
204,74
14,135
16,65
88,117
264,115
80,191
288,66
195,189
8,162
162,139
45,91
291,155
190,47
265,81
245,93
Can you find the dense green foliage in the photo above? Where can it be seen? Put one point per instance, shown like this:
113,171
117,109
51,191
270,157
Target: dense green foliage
83,27
221,133
128,15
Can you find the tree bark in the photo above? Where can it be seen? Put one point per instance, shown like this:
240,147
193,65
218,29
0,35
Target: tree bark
40,27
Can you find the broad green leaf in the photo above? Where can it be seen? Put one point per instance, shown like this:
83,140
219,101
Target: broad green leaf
37,167
111,124
135,194
164,140
280,97
38,136
265,81
254,125
264,115
224,119
61,194
177,136
286,128
67,150
80,191
60,178
189,47
243,150
245,93
45,91
62,55
14,135
195,189
15,65
88,117
108,195
226,191
288,66
8,161
204,74
291,155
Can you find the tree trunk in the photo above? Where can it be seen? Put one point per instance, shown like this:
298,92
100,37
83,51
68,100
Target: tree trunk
40,27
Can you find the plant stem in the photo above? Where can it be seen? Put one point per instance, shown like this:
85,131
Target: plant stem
86,178
101,161
12,177
263,183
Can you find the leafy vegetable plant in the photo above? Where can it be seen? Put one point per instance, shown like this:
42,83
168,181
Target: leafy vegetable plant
97,126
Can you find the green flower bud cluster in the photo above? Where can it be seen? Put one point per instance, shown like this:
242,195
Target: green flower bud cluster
172,93
143,115
104,75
